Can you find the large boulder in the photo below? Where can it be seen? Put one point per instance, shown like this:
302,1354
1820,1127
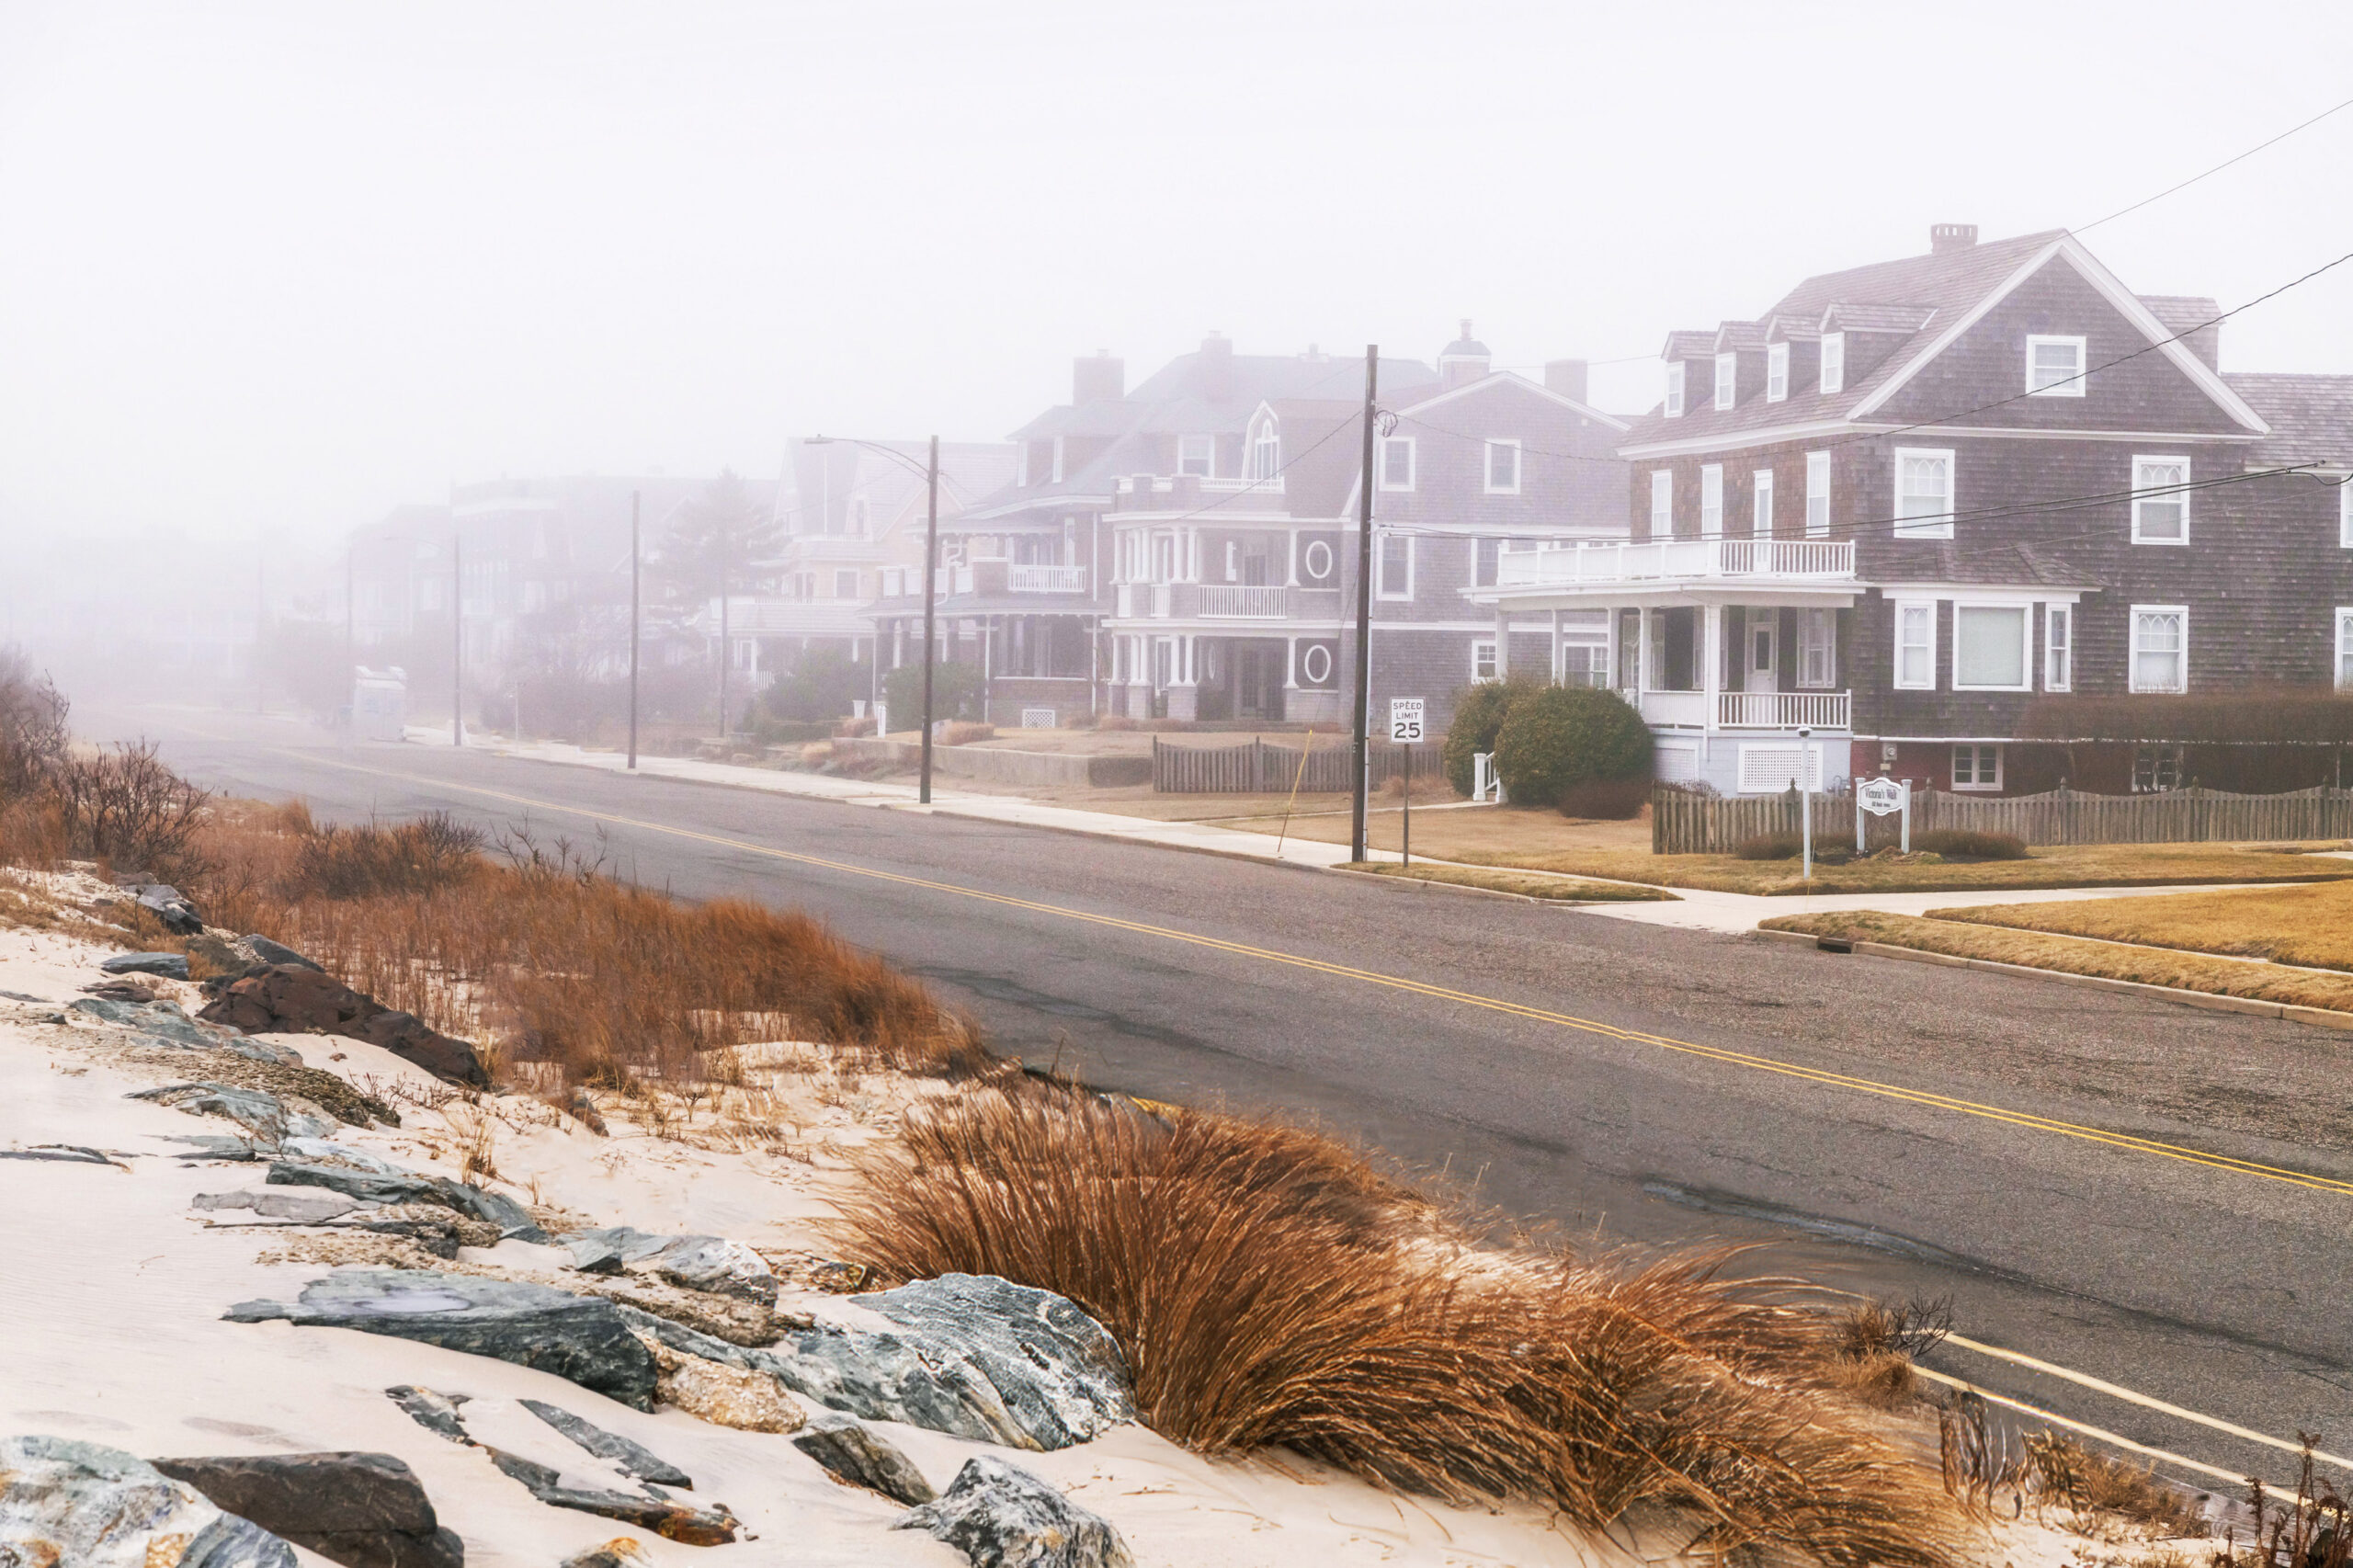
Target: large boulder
581,1338
362,1510
277,952
1001,1517
292,998
67,1503
258,1110
698,1263
171,966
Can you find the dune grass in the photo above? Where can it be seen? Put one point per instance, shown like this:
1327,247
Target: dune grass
2072,955
2308,925
1269,1287
1530,884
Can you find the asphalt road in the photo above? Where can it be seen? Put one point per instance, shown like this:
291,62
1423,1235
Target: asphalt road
1619,1080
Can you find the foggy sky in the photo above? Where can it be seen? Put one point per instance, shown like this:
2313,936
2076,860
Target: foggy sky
276,267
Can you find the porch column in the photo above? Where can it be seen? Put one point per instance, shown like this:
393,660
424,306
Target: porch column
1291,664
1642,653
1503,641
1712,622
1555,677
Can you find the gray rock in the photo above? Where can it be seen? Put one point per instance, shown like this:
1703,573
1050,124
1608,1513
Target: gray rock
320,1150
171,966
1001,1517
633,1460
581,1338
620,1553
407,1187
69,1153
698,1263
255,1110
24,996
166,1019
851,1453
171,906
664,1517
269,951
68,1502
300,1205
980,1357
222,953
360,1509
432,1410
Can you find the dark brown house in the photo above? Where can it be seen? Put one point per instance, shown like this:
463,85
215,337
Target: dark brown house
1987,519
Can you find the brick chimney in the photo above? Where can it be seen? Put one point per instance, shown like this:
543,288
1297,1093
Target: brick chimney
1100,379
1463,361
1943,237
1566,377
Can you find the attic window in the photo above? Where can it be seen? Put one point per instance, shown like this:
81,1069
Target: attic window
1776,372
2054,367
1727,379
1196,455
1834,361
1266,452
1674,388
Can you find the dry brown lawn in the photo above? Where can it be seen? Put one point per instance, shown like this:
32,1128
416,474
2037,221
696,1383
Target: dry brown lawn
2072,955
2309,925
1529,884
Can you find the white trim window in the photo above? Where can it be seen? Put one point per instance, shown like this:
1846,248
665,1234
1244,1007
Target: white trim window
1392,559
1760,517
1924,493
2345,647
1916,644
1817,648
2345,514
1990,649
1265,452
1397,462
1776,372
1727,380
1483,665
1058,461
1711,501
1674,388
2058,647
2162,517
1817,496
1662,504
1834,361
1197,456
1502,468
2160,651
845,582
1977,768
2054,367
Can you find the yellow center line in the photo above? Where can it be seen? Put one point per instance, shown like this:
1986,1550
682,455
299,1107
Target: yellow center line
1766,1064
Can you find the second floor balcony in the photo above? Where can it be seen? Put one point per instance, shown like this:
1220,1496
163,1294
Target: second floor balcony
1219,601
1726,562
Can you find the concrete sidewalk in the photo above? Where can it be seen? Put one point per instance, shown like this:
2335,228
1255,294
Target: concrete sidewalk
1698,909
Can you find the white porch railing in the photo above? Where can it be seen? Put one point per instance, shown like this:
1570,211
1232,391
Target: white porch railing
1679,559
1781,710
1242,601
1687,709
1045,579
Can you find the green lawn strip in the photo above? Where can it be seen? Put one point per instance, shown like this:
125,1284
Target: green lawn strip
1533,884
2074,955
2043,870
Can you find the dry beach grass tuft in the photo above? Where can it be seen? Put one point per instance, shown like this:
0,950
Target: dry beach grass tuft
1270,1289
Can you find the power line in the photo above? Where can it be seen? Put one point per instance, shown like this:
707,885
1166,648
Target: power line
2218,168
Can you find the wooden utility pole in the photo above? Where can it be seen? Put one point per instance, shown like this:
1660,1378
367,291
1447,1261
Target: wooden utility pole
457,641
930,565
1362,756
634,555
723,650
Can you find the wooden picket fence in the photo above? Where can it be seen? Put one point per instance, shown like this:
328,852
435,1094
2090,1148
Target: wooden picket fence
1269,768
1684,824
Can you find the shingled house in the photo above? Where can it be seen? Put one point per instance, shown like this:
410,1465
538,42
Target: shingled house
1983,518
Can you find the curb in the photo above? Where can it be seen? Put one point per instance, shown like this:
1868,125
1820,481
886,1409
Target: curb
1430,885
2207,1001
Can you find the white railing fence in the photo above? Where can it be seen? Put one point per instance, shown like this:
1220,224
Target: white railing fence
1045,579
1244,601
1677,558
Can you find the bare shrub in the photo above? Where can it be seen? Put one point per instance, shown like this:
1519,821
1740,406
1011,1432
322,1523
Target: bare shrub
1269,1287
123,805
430,853
2064,1470
963,733
32,727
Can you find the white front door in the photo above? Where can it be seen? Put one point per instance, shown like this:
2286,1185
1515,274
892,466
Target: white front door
1764,650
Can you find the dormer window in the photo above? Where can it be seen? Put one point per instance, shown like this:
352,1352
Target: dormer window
1727,379
1674,388
1776,372
1834,361
1397,462
1196,455
2054,367
1265,452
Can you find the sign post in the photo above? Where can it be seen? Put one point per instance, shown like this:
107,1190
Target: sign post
1880,797
1405,730
1805,804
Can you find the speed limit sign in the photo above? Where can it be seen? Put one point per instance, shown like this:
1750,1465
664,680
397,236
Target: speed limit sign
1405,721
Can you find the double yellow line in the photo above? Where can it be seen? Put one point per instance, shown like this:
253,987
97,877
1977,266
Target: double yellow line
1741,1058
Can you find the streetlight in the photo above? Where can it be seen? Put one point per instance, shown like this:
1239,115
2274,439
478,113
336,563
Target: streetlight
930,564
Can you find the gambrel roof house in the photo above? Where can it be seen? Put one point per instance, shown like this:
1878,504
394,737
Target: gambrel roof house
1938,512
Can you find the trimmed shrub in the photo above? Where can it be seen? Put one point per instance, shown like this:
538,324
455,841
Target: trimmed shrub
1606,800
1966,844
1556,737
963,735
955,693
1784,846
820,687
1478,713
